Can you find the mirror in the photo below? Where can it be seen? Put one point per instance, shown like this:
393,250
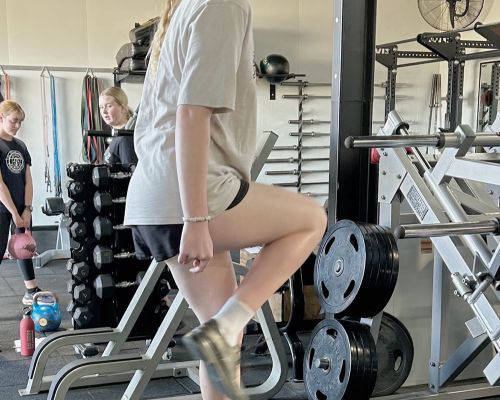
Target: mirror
488,90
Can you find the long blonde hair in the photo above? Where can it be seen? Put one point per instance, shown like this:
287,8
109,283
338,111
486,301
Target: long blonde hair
8,106
161,30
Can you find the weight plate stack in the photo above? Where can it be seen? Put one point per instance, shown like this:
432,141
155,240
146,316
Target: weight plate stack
340,361
395,356
356,269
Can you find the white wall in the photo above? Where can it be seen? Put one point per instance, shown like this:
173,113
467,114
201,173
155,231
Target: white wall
88,33
304,35
3,33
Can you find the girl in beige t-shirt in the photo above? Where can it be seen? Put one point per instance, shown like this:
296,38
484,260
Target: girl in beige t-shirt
195,139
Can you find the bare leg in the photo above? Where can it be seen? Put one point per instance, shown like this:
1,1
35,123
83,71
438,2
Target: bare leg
289,226
206,293
31,284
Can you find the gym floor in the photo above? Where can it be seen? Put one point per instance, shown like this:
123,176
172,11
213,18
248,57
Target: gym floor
14,367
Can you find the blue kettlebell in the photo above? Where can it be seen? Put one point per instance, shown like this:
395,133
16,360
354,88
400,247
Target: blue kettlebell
46,313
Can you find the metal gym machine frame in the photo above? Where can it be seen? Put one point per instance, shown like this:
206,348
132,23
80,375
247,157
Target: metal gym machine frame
445,46
454,216
139,369
63,245
352,91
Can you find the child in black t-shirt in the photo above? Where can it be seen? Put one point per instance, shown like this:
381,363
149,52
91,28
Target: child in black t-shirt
16,188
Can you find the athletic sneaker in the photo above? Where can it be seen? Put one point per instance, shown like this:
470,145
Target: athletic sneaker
206,343
28,297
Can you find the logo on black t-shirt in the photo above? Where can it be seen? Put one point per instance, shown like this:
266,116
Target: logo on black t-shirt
107,156
15,161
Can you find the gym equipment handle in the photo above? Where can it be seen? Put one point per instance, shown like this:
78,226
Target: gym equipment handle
109,134
437,140
359,142
447,229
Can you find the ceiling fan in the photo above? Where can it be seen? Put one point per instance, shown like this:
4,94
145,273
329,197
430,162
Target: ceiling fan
448,15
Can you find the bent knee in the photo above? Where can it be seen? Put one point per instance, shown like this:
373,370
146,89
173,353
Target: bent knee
321,222
317,221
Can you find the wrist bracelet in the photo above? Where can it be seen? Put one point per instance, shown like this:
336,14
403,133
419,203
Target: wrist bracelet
197,219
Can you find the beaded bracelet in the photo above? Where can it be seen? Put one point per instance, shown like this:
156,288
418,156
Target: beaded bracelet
197,219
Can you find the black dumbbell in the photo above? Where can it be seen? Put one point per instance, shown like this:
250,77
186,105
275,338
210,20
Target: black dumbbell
71,284
105,286
102,176
103,201
72,306
86,316
69,265
162,288
75,189
104,255
78,230
80,271
82,293
82,317
80,191
84,251
79,172
76,209
103,227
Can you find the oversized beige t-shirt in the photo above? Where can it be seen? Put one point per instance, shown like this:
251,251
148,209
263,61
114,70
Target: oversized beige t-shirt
206,60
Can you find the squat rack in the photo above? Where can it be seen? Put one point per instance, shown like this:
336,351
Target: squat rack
444,46
453,214
353,61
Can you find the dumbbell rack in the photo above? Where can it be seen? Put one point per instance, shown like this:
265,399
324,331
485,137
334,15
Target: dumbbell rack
444,214
113,367
105,256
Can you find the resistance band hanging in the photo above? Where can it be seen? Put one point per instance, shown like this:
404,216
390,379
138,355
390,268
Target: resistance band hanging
45,127
57,163
94,147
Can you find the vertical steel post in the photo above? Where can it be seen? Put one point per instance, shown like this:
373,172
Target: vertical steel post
455,94
352,94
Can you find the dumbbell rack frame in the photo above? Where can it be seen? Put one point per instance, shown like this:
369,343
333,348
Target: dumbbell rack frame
429,194
62,249
139,369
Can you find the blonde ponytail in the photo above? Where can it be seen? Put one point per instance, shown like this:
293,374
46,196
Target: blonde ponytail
161,30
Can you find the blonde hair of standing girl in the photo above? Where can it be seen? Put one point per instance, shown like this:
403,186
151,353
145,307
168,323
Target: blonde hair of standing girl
161,30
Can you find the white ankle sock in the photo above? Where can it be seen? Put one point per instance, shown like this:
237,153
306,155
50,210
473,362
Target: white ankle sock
232,318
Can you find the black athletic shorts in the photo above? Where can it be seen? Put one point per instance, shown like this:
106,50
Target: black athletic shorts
163,241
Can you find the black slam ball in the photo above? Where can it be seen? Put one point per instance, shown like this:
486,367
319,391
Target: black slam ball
275,68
